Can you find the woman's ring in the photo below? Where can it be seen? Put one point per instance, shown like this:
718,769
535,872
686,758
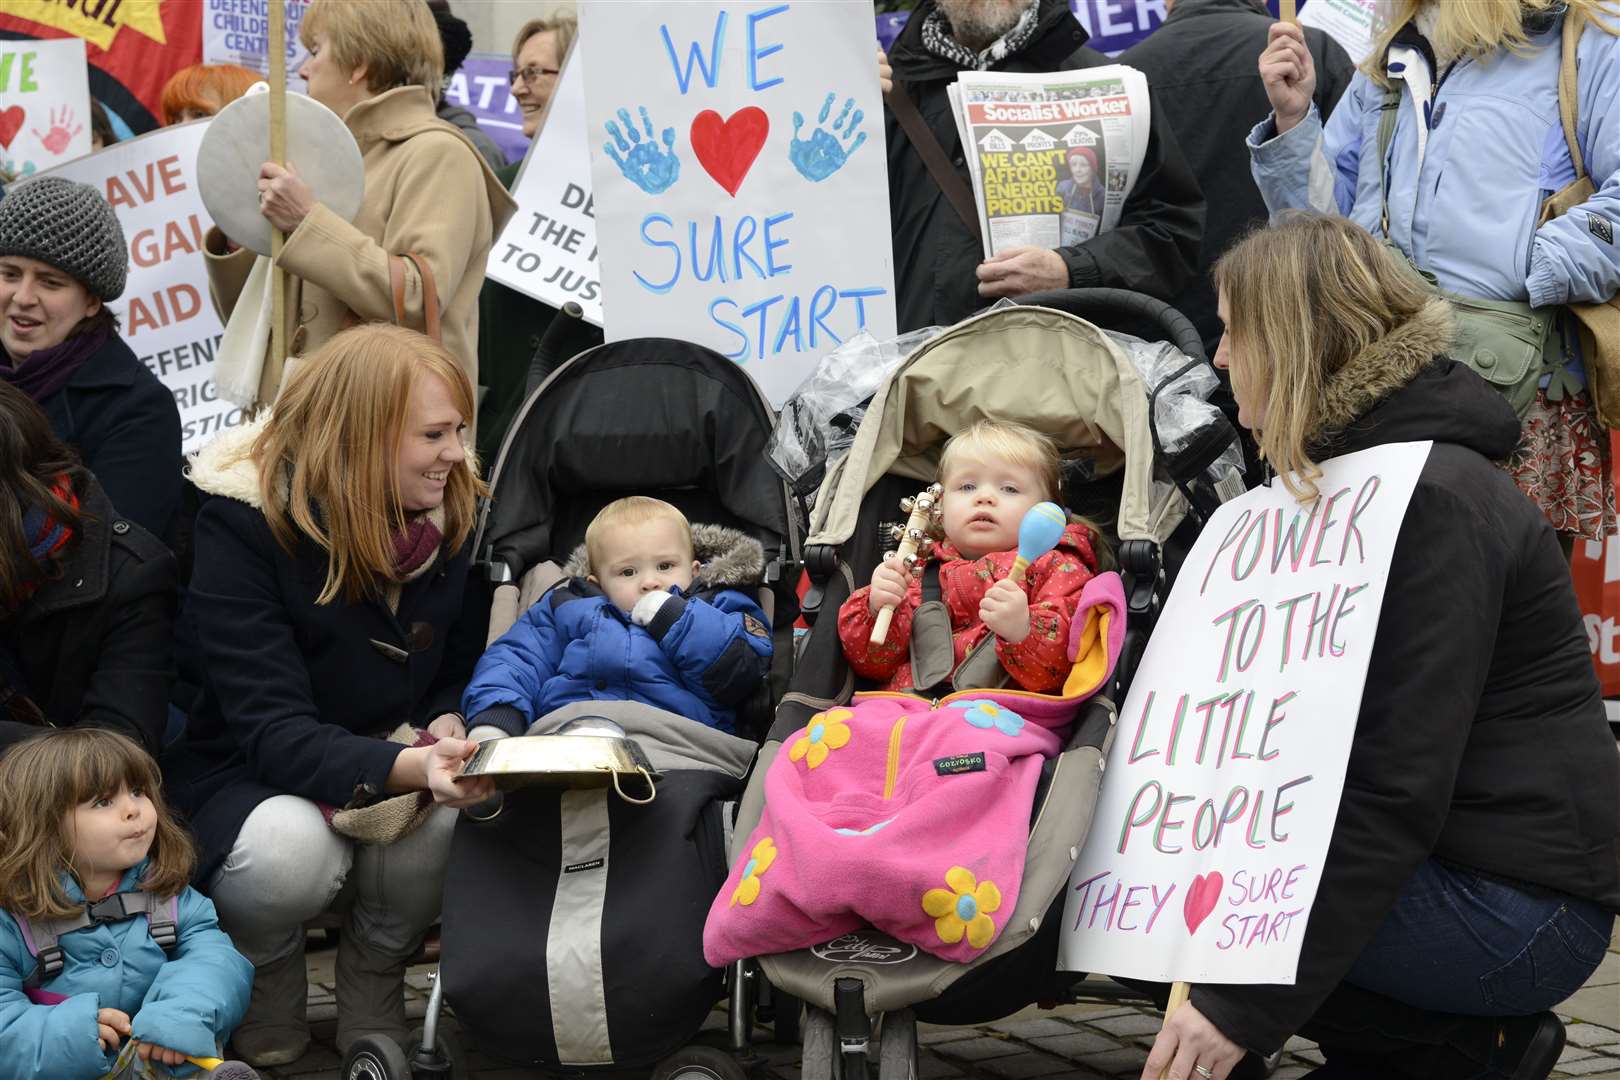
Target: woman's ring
1205,1071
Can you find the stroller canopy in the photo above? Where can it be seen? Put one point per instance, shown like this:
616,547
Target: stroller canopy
1051,371
646,416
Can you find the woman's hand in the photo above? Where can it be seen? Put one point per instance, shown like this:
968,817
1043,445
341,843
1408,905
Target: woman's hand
162,1055
1005,610
1188,1040
448,726
885,72
111,1026
284,199
889,584
446,758
1021,270
1288,74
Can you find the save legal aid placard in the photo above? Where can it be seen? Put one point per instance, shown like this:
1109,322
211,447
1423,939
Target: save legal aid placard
1223,781
739,177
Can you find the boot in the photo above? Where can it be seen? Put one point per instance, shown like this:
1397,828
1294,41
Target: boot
275,1030
370,993
233,1070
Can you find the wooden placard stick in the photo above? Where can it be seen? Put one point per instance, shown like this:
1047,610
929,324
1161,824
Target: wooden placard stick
1288,11
277,48
1179,993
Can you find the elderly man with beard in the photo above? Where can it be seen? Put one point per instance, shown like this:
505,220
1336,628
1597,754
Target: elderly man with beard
941,274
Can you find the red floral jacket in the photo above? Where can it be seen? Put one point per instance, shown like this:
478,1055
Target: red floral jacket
1040,662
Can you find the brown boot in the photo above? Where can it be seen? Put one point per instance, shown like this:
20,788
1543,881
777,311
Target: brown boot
275,1030
370,993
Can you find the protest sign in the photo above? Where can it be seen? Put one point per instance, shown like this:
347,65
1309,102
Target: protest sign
165,312
44,105
741,191
1352,23
1223,783
1596,569
548,249
238,32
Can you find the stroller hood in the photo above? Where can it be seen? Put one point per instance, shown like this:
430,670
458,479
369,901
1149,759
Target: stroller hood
1053,372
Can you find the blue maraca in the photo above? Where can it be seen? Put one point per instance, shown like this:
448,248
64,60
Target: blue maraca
1038,533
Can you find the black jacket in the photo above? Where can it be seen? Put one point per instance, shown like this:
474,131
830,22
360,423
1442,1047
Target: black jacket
1153,249
1481,737
93,644
126,428
294,692
1203,66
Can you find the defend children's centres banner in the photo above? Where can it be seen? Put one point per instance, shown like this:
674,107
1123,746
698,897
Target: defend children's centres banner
740,184
1224,778
165,312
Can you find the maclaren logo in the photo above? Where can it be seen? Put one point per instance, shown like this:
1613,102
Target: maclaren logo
96,21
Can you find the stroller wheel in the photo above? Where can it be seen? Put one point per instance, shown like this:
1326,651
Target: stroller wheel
897,1053
699,1063
376,1057
439,1062
819,1059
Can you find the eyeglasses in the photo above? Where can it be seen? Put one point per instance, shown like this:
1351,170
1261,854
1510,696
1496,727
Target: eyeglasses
529,75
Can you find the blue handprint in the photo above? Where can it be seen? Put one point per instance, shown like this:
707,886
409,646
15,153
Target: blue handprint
822,154
640,160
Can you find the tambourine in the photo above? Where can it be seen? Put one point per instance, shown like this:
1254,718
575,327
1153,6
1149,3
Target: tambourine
237,144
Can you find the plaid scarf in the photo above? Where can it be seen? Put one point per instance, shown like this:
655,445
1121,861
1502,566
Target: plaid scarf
45,535
937,39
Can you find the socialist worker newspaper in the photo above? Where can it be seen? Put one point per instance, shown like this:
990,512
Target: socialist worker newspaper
1053,155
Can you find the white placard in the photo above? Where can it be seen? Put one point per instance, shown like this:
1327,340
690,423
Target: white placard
548,249
238,32
1223,783
44,105
1352,23
165,312
739,168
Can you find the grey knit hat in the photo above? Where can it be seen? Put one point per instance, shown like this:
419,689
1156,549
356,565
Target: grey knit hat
71,227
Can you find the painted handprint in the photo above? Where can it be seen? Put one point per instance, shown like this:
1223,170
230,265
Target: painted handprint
11,170
641,160
824,152
57,136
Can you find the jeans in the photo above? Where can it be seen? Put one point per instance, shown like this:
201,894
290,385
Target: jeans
1460,942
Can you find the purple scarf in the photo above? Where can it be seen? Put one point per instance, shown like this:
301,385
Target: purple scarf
48,370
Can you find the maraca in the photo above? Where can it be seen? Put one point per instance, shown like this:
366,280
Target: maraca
1038,533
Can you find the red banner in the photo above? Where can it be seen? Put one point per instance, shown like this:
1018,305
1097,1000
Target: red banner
1596,568
134,46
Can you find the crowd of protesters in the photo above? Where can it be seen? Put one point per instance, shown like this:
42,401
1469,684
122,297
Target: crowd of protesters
310,570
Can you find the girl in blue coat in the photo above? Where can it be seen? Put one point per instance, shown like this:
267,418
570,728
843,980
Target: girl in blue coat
147,981
649,613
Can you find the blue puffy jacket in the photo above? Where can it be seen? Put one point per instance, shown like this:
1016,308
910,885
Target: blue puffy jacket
700,657
1468,174
188,1000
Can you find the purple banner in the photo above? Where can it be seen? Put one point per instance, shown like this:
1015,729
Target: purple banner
1114,25
481,86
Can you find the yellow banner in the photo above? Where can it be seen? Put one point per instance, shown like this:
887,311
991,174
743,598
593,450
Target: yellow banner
96,21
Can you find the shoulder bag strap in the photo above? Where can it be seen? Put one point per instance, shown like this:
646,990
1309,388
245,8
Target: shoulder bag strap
956,190
1569,92
430,292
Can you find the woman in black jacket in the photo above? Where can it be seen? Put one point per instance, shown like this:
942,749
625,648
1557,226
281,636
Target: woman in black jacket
62,258
327,597
86,596
1474,870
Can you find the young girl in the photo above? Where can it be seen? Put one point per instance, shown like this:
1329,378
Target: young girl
147,979
991,474
909,812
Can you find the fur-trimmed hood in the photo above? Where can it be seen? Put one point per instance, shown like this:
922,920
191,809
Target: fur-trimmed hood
225,465
1402,388
731,559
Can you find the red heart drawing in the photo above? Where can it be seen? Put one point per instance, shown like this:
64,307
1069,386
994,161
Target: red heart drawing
1202,896
11,122
727,148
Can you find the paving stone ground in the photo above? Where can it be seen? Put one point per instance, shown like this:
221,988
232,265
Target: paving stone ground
1085,1042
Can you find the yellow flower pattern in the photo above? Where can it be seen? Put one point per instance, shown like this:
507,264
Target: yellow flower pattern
759,861
827,732
963,908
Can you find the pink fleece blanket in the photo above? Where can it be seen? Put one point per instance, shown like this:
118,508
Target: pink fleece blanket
906,815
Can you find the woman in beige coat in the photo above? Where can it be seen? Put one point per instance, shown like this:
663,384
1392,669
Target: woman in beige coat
428,193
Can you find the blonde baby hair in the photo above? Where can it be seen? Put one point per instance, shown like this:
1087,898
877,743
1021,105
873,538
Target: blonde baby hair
628,512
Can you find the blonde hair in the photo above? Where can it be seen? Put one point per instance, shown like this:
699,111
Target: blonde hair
1304,298
42,780
327,457
396,40
1475,28
204,88
1001,440
630,511
565,24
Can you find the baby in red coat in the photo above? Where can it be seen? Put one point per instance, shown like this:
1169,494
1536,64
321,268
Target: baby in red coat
992,474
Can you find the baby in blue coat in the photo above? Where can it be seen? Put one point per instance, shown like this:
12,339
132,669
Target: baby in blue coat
650,613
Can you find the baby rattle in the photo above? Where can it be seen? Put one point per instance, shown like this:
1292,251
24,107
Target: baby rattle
1039,532
914,544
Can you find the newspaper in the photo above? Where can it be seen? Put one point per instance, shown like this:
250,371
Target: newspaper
1053,155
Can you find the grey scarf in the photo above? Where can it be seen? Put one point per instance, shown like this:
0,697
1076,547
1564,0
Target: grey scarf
937,39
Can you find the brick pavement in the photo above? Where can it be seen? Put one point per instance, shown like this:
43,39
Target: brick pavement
1086,1042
